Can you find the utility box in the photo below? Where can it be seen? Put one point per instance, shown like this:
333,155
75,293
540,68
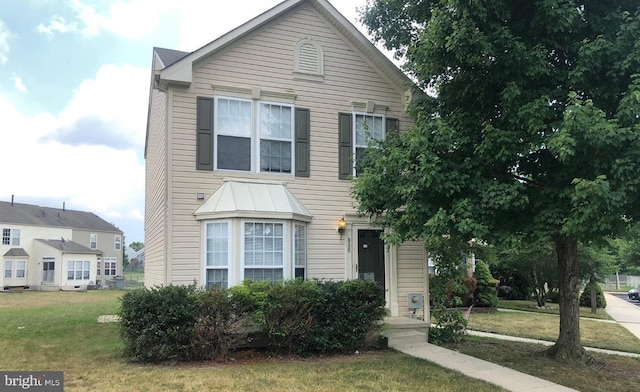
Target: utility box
416,301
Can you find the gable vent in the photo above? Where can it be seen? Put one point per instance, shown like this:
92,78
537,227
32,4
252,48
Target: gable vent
308,57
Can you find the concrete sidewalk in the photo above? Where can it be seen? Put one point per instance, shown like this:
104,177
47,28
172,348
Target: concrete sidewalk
626,314
415,343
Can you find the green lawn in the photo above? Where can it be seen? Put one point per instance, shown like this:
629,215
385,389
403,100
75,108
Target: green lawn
59,331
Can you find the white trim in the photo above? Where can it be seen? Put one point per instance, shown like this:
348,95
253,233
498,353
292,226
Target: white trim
181,72
230,252
359,222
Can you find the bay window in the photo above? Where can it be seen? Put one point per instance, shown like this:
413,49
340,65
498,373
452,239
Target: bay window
259,250
217,255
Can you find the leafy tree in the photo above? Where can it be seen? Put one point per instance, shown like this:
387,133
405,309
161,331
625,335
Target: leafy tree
136,245
533,133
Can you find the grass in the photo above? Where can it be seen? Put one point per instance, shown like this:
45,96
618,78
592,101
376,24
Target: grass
59,331
531,306
615,373
541,326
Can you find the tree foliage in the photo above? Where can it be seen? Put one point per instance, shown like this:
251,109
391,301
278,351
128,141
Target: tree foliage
533,133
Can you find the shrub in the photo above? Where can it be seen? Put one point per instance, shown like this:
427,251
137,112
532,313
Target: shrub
287,315
450,327
486,294
157,324
218,326
585,297
350,310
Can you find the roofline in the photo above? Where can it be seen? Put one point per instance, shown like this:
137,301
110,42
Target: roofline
180,72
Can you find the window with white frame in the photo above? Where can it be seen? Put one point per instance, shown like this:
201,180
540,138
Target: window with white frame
110,266
99,268
367,127
20,269
243,144
263,251
11,236
93,241
217,254
78,269
117,245
266,251
8,268
300,250
276,132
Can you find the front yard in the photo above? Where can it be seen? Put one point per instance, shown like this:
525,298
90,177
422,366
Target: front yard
59,331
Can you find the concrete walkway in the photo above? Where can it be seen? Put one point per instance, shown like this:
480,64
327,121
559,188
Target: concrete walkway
414,343
504,377
626,314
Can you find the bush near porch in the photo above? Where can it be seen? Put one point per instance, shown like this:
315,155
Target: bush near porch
186,323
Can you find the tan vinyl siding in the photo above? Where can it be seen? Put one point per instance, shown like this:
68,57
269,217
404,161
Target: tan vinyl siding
155,192
411,273
265,60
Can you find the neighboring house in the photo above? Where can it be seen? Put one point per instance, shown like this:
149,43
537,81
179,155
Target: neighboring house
47,248
136,259
250,149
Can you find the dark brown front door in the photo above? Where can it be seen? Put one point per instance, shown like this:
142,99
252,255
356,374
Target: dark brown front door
371,256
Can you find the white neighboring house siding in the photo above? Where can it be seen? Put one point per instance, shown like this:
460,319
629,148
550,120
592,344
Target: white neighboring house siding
61,281
156,191
27,235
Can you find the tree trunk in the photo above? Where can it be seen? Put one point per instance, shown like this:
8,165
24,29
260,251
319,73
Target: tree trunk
568,346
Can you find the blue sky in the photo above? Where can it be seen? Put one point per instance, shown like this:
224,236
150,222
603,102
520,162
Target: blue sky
74,86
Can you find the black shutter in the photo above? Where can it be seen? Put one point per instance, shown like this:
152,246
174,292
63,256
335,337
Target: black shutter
302,142
393,128
204,134
345,137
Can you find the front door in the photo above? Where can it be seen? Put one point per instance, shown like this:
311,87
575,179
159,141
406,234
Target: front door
371,256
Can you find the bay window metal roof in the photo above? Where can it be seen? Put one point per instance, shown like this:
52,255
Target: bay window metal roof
240,199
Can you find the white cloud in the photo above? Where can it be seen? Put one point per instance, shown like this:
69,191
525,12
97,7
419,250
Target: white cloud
19,84
127,19
92,177
5,35
57,24
107,110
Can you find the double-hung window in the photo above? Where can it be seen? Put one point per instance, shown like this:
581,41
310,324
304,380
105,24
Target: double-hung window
117,242
276,131
20,268
233,125
110,266
217,254
11,236
367,127
300,250
244,144
8,269
93,241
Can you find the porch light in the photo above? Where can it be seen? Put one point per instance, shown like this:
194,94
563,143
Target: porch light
342,224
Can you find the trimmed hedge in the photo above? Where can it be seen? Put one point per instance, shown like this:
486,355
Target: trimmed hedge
303,317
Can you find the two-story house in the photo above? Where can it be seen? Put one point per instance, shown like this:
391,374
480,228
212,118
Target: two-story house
45,248
252,141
